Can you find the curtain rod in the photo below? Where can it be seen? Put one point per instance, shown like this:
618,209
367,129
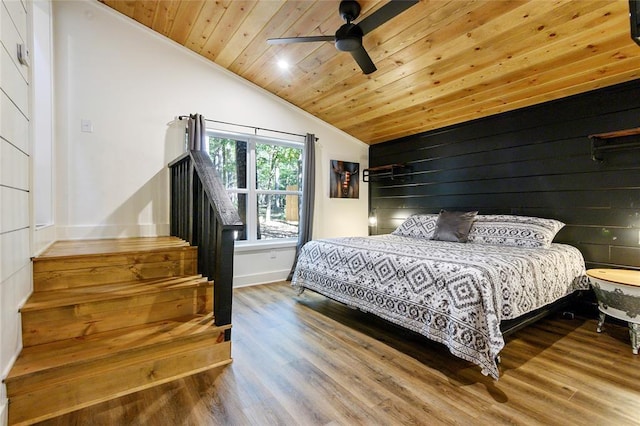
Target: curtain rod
186,117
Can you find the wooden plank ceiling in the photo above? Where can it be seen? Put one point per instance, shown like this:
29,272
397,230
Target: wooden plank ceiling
442,62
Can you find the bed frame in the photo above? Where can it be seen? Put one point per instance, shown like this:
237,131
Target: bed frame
566,304
511,326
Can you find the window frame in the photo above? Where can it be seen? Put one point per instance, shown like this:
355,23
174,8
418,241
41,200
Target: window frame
252,191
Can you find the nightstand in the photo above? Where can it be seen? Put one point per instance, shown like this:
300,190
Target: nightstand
618,294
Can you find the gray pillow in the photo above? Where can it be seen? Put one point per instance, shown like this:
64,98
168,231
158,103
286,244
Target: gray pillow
453,226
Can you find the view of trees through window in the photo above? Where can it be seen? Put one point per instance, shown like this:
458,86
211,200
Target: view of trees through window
264,180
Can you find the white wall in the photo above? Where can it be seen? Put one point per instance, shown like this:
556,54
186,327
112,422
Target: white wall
130,83
42,114
15,174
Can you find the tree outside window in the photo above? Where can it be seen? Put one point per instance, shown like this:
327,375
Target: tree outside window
264,180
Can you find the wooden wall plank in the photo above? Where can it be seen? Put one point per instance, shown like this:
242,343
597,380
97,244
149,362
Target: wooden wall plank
253,19
145,12
14,247
206,21
13,25
164,15
13,83
14,126
534,161
186,16
14,172
226,28
14,217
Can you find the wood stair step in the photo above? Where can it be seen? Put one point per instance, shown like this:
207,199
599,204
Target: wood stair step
50,358
110,291
68,265
111,245
54,378
84,311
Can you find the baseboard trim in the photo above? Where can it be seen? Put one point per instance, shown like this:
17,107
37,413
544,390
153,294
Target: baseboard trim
262,278
43,237
4,411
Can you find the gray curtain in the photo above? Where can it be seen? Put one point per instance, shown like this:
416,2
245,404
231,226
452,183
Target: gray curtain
196,132
308,197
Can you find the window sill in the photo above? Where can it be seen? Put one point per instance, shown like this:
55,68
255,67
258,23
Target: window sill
258,247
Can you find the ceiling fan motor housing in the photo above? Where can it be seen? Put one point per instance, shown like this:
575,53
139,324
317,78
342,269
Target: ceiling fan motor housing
348,38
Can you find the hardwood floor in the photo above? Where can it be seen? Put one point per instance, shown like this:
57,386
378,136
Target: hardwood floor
306,360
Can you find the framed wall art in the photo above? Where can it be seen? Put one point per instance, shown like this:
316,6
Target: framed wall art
344,179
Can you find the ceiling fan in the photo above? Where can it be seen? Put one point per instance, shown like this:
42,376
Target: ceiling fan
348,38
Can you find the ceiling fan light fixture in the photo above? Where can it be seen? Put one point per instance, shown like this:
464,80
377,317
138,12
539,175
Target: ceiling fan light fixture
348,44
283,64
348,38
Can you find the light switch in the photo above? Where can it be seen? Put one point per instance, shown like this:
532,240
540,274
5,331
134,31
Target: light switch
23,55
86,126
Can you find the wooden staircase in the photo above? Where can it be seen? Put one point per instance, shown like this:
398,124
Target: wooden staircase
108,318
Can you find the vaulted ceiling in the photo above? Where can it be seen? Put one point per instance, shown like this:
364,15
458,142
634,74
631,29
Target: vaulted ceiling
439,63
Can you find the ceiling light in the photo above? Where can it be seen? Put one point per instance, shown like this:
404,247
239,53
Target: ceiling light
284,65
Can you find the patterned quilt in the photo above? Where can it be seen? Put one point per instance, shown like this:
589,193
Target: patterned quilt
453,293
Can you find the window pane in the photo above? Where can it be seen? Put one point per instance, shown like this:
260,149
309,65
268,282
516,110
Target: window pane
240,203
278,167
277,216
230,160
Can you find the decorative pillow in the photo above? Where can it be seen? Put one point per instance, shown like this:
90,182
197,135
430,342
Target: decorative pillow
418,226
453,226
517,231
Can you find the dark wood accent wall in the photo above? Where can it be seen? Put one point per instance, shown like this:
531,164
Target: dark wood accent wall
534,161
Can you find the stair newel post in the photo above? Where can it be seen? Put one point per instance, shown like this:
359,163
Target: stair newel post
223,280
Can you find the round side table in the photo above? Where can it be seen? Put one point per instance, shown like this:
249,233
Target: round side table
618,294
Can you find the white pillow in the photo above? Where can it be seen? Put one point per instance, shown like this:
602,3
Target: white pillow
418,226
517,231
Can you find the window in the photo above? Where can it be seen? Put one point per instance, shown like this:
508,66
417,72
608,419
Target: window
263,176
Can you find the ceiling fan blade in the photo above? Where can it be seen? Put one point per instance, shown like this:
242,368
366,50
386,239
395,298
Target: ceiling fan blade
364,60
300,39
385,13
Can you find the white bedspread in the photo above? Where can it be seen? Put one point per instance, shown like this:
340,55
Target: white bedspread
453,293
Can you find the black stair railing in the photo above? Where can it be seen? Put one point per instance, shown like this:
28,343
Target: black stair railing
202,214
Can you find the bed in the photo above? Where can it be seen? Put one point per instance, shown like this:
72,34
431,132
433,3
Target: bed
454,284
